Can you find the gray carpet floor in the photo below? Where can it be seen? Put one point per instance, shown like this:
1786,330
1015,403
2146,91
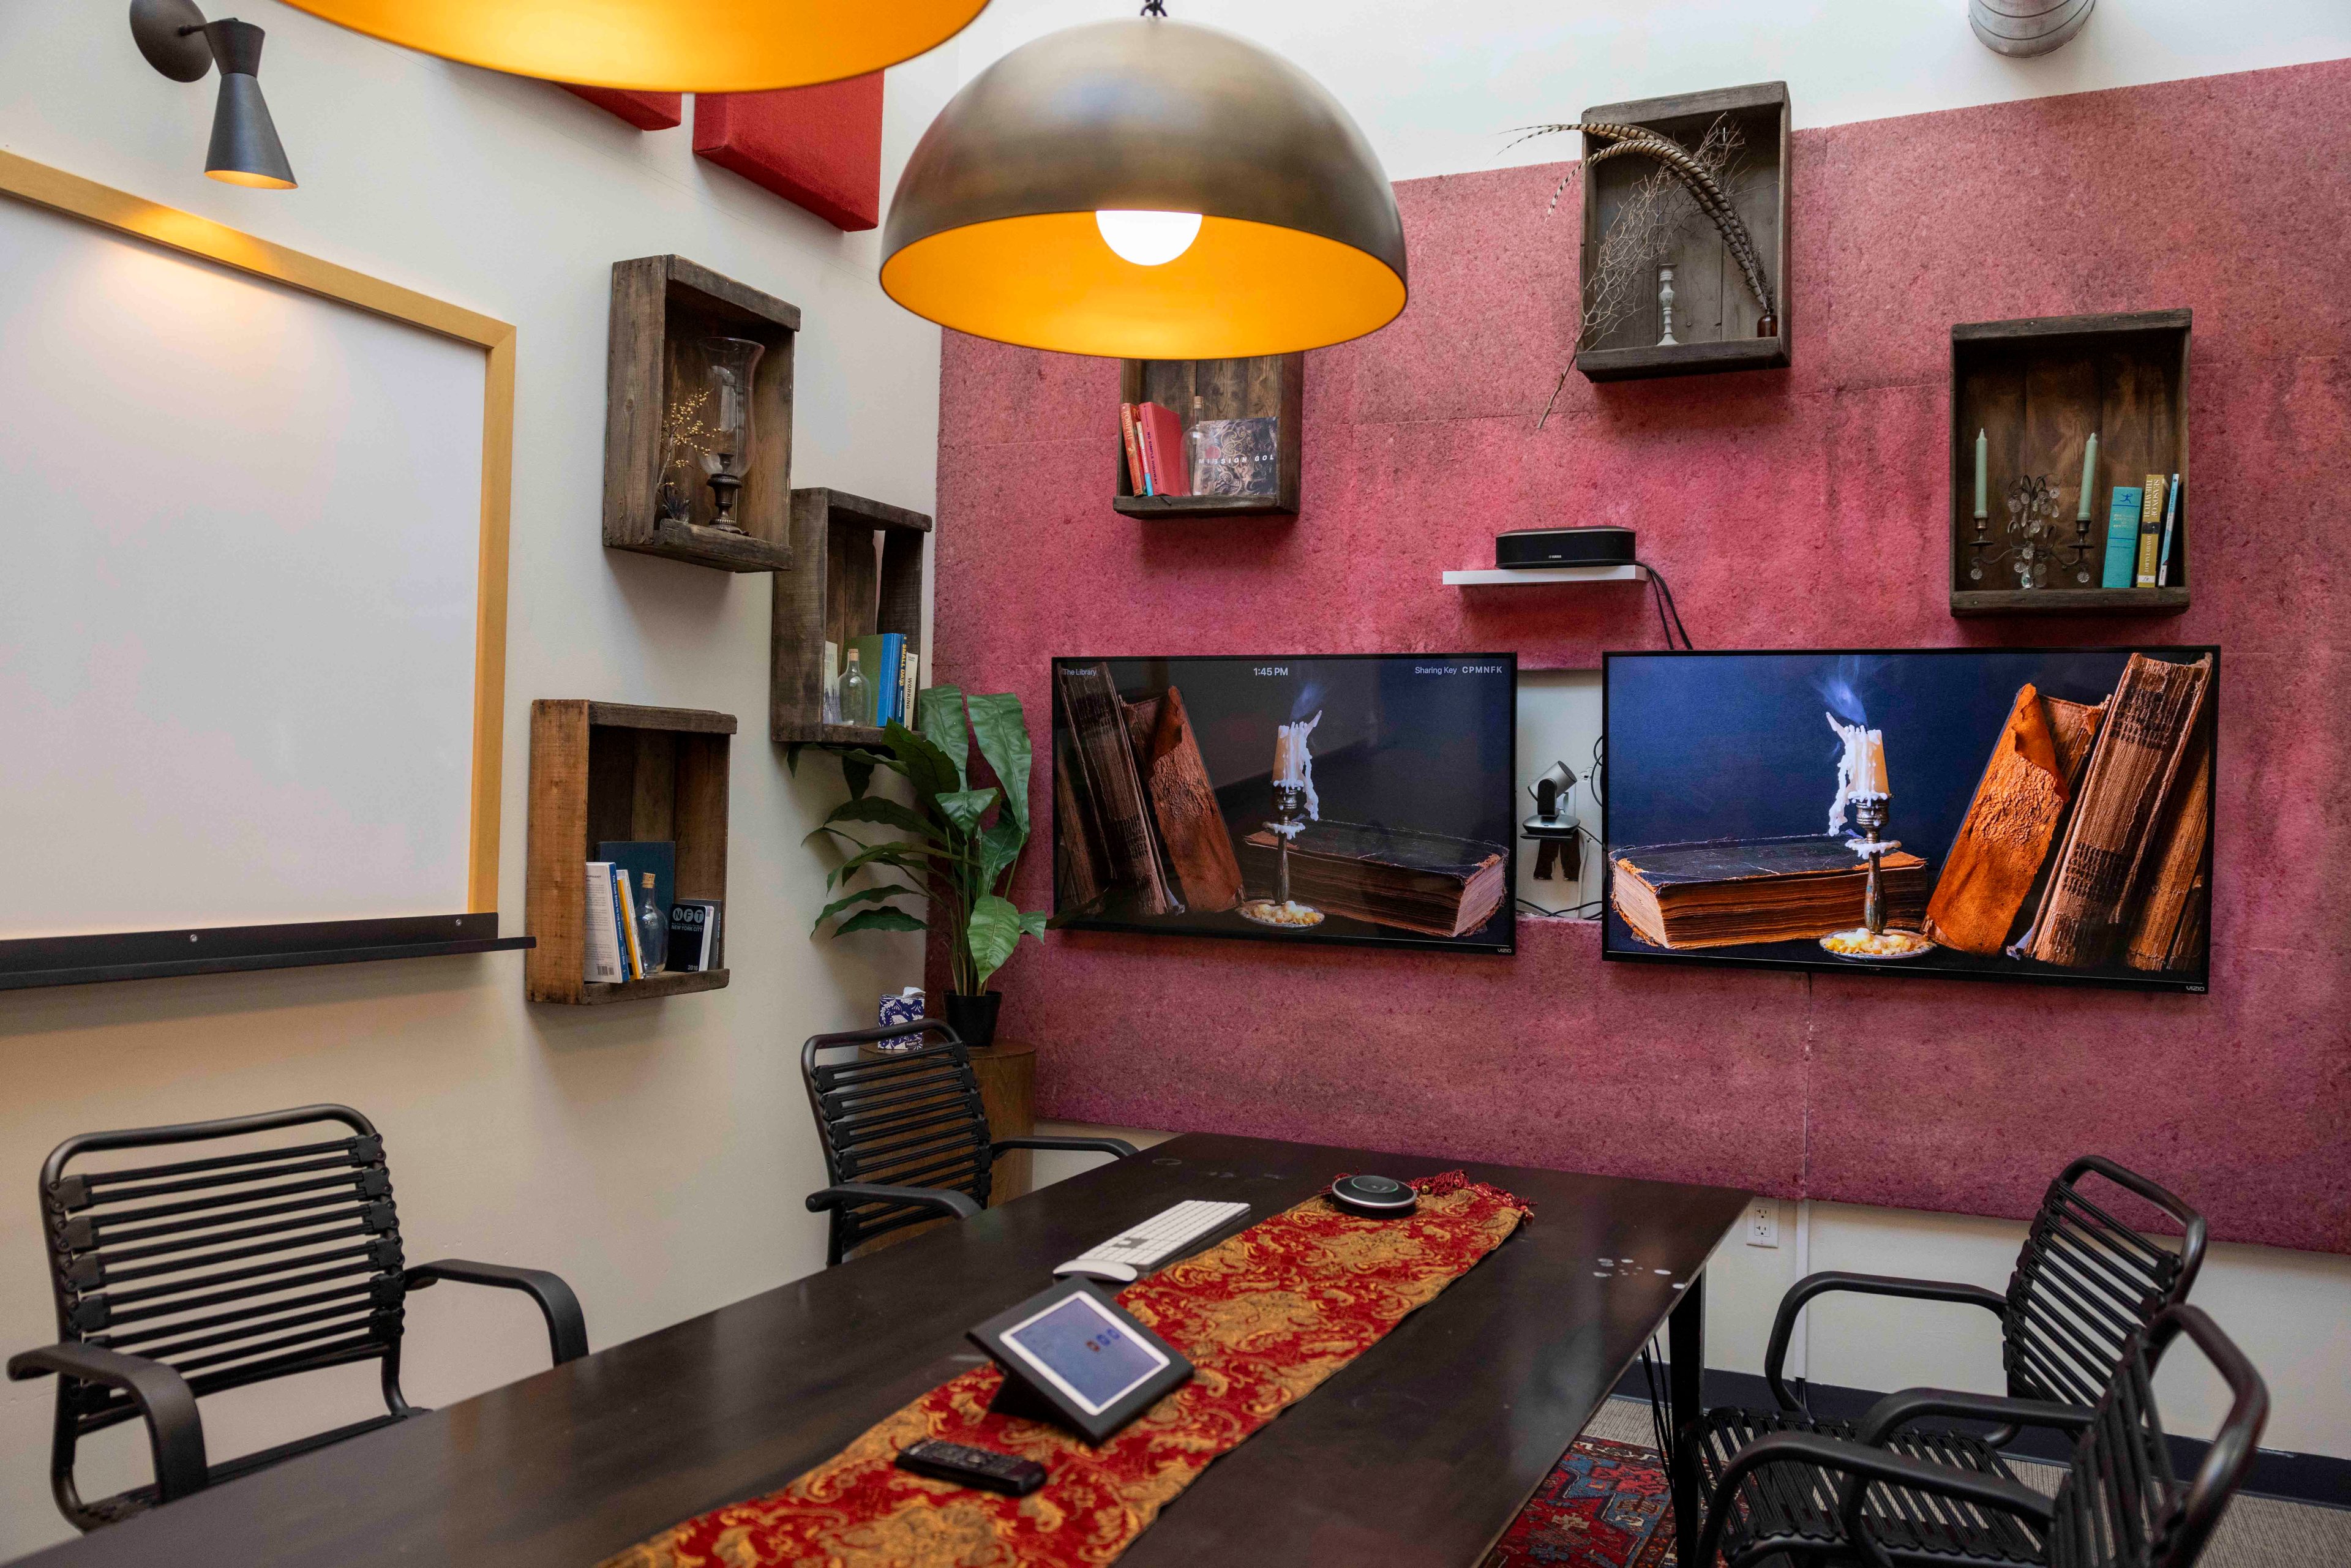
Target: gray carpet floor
2256,1532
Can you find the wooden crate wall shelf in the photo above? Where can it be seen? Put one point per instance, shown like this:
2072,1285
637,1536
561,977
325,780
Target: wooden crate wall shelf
602,771
1228,388
1715,315
2037,388
664,308
861,573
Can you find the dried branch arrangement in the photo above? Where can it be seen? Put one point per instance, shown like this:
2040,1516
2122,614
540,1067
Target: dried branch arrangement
1648,228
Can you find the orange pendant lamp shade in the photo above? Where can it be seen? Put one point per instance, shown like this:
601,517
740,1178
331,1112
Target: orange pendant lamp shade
663,46
1146,189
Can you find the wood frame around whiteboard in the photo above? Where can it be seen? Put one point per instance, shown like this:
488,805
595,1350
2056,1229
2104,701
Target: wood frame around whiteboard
42,186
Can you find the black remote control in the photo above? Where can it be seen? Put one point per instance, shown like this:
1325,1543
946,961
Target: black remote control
973,1466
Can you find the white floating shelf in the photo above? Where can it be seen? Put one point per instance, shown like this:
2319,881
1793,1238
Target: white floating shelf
1526,576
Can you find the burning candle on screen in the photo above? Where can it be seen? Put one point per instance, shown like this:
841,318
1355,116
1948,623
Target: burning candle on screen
1860,772
1293,764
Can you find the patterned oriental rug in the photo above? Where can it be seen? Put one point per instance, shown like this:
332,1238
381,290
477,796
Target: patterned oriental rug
1264,1316
1606,1505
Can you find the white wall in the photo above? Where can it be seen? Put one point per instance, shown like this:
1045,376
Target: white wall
1438,88
654,1153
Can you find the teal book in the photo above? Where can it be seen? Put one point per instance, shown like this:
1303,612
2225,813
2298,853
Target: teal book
2122,539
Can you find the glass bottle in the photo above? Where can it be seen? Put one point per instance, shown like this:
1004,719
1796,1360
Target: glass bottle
856,695
1195,447
652,928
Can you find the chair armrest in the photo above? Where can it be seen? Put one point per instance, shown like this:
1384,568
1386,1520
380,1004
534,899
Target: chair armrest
567,1326
942,1200
176,1431
1775,1355
1118,1146
1895,1411
1864,1464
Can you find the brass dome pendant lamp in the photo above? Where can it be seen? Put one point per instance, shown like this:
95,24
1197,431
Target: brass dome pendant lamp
1146,189
663,46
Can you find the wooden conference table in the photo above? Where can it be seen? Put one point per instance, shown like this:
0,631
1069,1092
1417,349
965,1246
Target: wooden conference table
1418,1452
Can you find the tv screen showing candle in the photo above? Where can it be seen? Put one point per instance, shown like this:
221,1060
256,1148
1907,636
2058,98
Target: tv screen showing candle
2032,814
1325,798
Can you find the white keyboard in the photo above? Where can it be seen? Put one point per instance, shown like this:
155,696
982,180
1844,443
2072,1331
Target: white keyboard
1125,1256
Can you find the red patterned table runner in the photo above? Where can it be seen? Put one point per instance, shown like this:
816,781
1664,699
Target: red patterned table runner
1264,1316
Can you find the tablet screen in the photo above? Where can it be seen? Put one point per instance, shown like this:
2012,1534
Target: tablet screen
1086,1353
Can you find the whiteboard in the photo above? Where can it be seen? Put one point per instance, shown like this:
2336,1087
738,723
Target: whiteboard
241,529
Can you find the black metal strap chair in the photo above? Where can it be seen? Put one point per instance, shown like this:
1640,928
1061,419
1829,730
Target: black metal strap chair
906,1136
173,1281
2086,1282
2120,1506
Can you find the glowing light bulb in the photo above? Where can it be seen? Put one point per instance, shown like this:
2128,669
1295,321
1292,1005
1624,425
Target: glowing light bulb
1148,239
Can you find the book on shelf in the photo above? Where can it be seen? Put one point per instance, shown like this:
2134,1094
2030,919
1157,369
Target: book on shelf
908,685
2121,538
624,910
695,935
2171,520
1125,847
1162,448
1138,475
1995,862
2150,530
640,858
599,934
1239,457
2138,763
1719,893
878,656
1431,884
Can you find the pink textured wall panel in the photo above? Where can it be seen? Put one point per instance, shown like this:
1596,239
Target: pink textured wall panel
1804,507
646,111
819,146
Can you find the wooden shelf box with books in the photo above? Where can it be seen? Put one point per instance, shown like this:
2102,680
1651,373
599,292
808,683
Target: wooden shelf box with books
2035,392
859,579
605,771
1250,412
666,377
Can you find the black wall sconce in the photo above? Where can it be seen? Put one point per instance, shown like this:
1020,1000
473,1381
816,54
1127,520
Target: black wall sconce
178,42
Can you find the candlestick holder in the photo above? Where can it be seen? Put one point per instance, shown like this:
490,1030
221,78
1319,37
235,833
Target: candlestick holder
1289,820
1871,941
2032,546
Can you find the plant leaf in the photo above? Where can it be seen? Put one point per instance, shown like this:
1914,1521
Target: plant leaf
1000,846
862,895
925,765
905,857
882,919
939,716
992,932
965,808
886,813
792,749
858,774
1033,924
1002,732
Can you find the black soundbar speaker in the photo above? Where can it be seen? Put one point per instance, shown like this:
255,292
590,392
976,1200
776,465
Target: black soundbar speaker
1563,546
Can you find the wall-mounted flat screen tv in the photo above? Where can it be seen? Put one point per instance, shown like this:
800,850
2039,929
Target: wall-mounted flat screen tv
2041,814
1322,798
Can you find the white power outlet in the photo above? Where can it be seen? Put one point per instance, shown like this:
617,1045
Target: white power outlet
1763,1223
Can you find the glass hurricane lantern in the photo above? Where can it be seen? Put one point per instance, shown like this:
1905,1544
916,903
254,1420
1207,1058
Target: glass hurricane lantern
727,455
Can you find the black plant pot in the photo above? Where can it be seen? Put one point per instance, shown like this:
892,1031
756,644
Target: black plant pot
974,1018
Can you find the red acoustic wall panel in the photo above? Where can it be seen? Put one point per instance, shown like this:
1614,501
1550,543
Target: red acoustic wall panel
646,111
1804,507
818,146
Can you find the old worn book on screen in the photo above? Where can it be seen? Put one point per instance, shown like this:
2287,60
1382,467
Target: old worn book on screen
2167,930
1431,884
1995,860
1199,847
2100,867
1107,777
1719,893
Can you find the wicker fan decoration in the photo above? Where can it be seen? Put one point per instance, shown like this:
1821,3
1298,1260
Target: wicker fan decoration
1700,175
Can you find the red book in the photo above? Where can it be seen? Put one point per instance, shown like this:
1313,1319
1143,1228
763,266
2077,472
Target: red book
1134,469
1163,449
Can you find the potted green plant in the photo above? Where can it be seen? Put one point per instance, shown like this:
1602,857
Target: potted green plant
958,847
